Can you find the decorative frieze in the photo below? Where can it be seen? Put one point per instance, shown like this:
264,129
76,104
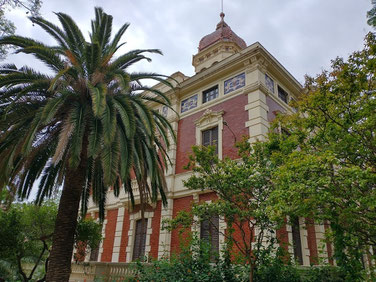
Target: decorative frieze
189,103
234,83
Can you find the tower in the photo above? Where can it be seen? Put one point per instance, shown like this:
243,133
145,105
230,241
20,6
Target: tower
216,46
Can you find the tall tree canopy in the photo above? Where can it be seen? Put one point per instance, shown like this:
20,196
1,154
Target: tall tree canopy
328,157
86,127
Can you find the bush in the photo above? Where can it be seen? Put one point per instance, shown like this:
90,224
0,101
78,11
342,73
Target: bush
196,262
276,270
323,273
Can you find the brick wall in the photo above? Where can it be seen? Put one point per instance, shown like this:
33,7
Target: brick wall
329,246
274,108
108,241
155,225
312,243
211,196
283,238
235,116
180,204
124,237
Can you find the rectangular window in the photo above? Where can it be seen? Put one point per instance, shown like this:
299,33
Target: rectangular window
94,254
209,232
140,239
269,83
210,94
282,94
296,240
210,138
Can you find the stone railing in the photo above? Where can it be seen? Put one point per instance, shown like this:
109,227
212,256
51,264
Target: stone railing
102,271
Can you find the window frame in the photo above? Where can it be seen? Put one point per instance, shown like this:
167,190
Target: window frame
283,91
209,90
133,217
213,225
211,143
140,254
210,119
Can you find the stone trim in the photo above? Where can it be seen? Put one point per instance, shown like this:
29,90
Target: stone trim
303,238
118,231
210,119
164,247
131,233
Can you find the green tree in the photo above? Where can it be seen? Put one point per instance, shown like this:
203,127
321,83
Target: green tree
243,187
26,237
7,27
328,169
86,127
88,236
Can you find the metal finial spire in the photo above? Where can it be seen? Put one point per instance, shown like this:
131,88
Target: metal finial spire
222,15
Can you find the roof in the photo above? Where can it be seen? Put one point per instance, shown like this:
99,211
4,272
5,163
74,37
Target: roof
222,32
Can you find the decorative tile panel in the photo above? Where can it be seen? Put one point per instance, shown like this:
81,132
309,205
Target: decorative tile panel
269,83
189,103
235,83
164,111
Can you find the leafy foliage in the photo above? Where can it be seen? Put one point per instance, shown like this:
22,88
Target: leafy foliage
324,273
243,187
26,238
192,264
91,97
88,125
88,236
328,159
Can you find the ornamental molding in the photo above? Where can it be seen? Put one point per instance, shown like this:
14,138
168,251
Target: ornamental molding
256,62
208,117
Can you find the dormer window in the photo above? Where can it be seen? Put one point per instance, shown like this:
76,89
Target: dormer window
210,94
282,94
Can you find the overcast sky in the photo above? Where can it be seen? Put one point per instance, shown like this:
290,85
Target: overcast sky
304,35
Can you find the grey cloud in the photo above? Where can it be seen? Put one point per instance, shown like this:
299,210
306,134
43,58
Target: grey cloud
304,35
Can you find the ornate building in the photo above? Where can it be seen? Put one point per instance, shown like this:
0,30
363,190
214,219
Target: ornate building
237,90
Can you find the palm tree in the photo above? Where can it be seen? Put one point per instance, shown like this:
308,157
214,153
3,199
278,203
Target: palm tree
86,127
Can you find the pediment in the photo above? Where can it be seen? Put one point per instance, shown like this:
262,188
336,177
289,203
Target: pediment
209,117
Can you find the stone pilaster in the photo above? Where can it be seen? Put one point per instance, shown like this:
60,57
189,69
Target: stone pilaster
118,231
321,244
164,235
257,108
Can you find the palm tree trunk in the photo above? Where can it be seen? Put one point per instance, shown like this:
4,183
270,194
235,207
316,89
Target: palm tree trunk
59,266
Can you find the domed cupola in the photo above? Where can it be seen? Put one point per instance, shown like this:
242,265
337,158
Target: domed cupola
216,46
